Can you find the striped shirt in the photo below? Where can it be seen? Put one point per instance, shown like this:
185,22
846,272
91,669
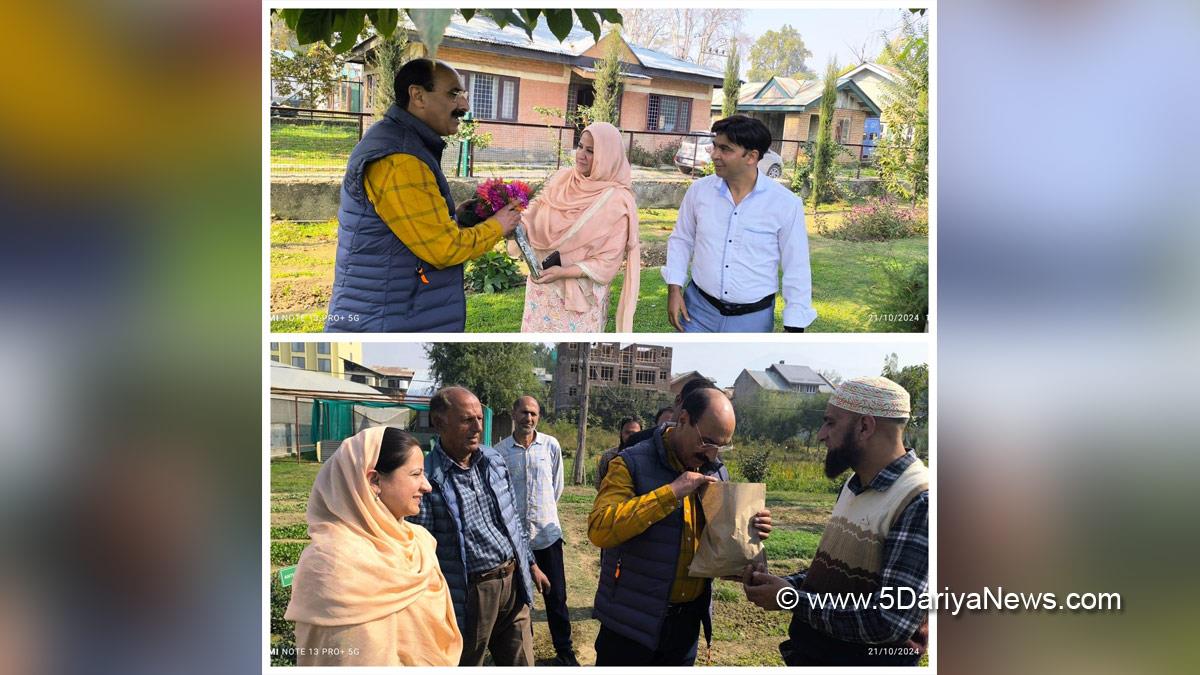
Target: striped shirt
487,547
905,564
405,194
537,478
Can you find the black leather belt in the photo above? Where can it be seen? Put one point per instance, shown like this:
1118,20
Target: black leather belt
734,308
495,573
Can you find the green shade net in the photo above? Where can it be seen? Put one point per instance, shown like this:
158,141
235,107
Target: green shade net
333,420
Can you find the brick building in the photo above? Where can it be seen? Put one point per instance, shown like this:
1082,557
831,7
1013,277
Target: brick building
509,75
791,109
637,366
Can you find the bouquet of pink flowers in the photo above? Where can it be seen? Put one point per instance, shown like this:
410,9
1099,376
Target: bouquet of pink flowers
490,197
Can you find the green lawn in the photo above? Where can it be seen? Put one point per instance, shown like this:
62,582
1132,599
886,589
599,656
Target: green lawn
320,144
849,282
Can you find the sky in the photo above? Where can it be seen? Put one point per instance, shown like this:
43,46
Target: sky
713,359
826,32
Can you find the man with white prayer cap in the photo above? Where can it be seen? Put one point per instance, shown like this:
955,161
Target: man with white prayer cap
877,538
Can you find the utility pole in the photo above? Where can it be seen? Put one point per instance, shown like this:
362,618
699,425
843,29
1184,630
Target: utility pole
583,412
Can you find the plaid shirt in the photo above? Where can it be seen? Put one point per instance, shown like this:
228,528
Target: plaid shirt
487,545
905,564
537,479
405,194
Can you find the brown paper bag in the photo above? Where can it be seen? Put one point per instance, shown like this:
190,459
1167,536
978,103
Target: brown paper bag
728,542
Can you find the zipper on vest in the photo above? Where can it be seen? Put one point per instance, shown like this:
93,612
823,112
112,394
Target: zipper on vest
421,274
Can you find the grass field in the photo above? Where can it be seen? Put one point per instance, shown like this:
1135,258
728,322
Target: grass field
849,282
743,635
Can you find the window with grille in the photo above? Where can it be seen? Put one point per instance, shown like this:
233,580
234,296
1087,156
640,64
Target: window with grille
606,373
574,367
669,113
645,377
571,391
493,97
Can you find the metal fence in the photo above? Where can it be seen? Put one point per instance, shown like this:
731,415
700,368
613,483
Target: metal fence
318,143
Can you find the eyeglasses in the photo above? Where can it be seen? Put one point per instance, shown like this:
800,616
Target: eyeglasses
721,449
458,93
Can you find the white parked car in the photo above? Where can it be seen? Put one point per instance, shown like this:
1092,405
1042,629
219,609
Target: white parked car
692,157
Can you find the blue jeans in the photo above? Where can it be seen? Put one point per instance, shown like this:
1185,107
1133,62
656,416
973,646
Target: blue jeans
706,318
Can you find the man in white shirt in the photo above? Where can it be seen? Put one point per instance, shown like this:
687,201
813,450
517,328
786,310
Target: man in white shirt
535,466
736,230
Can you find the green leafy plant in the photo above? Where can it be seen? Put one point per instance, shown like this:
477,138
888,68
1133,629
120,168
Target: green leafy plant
653,158
283,632
823,188
755,466
907,292
468,130
287,552
493,272
298,531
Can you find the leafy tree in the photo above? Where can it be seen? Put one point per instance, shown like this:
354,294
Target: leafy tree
915,380
778,52
608,405
339,28
903,153
607,85
310,73
778,415
543,356
389,56
823,188
496,372
731,87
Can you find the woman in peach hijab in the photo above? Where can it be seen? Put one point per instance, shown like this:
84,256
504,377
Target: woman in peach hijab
368,590
587,215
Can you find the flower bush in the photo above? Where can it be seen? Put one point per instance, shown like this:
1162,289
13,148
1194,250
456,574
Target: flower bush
881,219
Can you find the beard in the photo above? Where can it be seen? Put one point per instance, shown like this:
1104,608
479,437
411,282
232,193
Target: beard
845,455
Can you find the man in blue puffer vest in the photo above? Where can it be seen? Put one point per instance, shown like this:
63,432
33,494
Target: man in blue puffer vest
400,253
648,515
482,545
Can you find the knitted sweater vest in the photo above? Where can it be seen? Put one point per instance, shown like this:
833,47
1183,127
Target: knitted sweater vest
849,559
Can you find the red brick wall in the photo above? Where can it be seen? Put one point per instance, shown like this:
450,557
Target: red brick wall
538,93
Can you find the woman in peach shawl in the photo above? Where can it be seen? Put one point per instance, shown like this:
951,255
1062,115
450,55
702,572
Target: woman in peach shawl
368,590
586,214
